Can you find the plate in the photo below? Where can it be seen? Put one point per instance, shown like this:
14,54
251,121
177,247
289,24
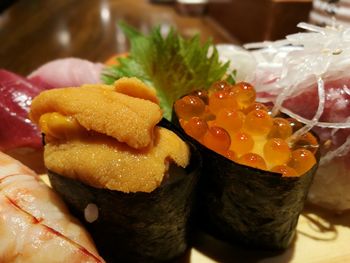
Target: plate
322,237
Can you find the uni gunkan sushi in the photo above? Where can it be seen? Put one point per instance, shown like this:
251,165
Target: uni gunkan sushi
256,174
130,180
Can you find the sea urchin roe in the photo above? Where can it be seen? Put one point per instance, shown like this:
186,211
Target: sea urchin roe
217,139
276,151
258,122
222,99
101,109
135,88
58,126
302,160
281,128
252,160
113,165
195,127
189,106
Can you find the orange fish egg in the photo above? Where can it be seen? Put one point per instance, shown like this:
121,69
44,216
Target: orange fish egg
245,94
230,120
231,155
252,160
276,151
195,127
202,94
258,122
189,106
284,170
217,139
307,141
222,99
221,85
256,106
281,128
208,115
302,160
241,142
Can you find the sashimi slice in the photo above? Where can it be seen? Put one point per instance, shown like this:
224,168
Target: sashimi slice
337,101
67,72
16,130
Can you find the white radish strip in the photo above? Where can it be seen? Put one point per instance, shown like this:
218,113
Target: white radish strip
336,125
339,152
310,125
311,28
266,44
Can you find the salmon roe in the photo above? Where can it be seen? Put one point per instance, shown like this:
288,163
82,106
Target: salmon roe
189,106
307,141
217,139
253,160
281,128
241,142
222,99
195,127
231,120
245,94
276,151
302,160
228,120
256,106
284,170
258,122
221,85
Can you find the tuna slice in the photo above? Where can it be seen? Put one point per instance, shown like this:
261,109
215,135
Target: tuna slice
16,97
67,72
332,180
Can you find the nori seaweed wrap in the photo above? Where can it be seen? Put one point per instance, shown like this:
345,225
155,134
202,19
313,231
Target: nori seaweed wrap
137,227
125,172
254,207
240,203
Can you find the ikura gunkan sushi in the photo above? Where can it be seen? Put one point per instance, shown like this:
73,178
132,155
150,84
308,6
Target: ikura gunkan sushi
120,168
256,172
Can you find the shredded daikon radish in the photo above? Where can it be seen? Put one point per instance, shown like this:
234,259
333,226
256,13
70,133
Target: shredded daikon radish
340,125
266,44
309,125
322,54
340,151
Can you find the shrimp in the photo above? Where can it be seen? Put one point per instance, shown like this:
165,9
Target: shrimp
35,225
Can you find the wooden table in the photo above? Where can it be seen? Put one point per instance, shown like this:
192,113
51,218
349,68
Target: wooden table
36,31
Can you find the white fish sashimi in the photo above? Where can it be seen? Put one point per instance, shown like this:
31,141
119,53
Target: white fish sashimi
68,72
35,225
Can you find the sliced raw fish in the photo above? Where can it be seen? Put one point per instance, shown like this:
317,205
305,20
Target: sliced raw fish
16,130
67,72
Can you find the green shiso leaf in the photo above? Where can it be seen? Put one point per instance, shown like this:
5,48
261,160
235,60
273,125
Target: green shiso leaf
172,65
